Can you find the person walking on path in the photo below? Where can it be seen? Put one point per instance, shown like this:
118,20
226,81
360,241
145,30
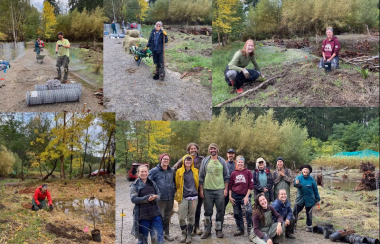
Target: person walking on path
231,164
147,218
62,49
284,208
213,183
193,149
39,198
307,195
240,187
163,176
113,26
187,196
262,179
265,231
156,44
37,46
282,178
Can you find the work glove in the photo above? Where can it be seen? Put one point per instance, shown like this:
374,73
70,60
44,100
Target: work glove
56,52
40,206
51,207
145,48
246,73
164,31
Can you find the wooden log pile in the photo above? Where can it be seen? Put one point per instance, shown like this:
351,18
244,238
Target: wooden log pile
364,62
367,182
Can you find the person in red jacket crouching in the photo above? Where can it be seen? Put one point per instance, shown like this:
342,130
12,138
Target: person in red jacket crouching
38,201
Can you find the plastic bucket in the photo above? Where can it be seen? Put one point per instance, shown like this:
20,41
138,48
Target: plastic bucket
327,232
318,229
96,235
327,66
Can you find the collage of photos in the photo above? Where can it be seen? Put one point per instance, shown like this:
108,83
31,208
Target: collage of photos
189,121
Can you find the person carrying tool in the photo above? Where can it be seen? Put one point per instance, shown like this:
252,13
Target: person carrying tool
193,149
156,43
37,46
236,73
62,49
307,195
284,208
39,198
330,50
187,183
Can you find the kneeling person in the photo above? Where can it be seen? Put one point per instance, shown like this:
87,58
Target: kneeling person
39,198
284,208
187,196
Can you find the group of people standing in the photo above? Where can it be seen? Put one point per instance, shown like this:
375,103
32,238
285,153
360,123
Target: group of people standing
212,181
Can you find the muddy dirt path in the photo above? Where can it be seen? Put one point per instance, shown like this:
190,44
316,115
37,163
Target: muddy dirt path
25,72
131,92
123,202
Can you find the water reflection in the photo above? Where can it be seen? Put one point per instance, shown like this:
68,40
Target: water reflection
344,184
8,50
103,211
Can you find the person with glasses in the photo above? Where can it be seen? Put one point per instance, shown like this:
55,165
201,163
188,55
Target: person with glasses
156,45
163,175
262,180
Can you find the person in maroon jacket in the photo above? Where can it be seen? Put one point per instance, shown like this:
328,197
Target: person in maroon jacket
330,50
265,230
39,198
240,187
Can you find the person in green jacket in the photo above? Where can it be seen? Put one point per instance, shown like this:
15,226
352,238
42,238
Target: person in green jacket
236,73
307,194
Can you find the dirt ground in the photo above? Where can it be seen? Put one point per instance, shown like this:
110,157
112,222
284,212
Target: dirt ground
25,72
21,225
131,92
123,202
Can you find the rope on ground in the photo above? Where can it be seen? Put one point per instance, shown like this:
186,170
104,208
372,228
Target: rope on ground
251,90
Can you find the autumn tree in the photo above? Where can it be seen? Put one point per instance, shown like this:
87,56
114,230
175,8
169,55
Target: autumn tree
48,20
223,19
7,159
142,10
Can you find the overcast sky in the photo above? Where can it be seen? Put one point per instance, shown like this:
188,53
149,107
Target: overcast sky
39,3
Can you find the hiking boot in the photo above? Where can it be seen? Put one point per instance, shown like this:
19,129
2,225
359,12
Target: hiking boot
197,231
219,234
309,229
239,90
189,231
63,81
162,76
156,76
183,235
168,237
290,236
206,234
239,232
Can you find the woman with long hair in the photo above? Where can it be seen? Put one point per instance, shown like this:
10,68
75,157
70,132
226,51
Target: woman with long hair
236,73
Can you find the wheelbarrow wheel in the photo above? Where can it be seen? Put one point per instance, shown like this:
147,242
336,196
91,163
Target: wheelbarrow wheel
137,58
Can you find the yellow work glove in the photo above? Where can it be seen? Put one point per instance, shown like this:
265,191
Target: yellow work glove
145,48
164,31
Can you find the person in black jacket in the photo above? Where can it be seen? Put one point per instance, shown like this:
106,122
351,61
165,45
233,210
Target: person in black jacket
156,45
262,180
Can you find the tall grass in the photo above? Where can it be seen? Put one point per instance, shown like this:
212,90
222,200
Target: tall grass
342,162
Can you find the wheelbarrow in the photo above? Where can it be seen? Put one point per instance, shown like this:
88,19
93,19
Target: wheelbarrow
139,54
40,58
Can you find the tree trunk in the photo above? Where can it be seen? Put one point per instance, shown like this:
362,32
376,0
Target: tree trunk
108,144
72,146
84,157
63,141
39,163
22,170
51,172
218,37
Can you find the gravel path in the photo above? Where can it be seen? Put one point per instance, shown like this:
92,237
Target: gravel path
123,202
136,96
25,72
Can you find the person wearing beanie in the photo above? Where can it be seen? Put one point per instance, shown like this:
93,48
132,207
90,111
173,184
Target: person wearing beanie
213,183
193,149
240,187
307,195
262,179
156,45
39,198
282,178
187,183
163,176
231,164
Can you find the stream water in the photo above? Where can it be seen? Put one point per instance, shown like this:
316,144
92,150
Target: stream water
8,50
88,208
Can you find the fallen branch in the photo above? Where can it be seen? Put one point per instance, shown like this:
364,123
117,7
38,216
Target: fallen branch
251,90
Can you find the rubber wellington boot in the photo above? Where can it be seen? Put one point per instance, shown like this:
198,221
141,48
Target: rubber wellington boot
183,235
189,231
167,236
156,75
208,225
196,230
239,232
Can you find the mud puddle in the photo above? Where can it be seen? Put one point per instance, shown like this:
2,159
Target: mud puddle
341,184
89,208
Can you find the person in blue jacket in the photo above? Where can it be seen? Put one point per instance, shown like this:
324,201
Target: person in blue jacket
156,45
37,46
307,194
284,208
163,175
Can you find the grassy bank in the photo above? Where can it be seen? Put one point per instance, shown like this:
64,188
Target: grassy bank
342,162
20,225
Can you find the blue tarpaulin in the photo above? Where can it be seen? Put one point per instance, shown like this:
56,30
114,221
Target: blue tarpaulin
360,154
